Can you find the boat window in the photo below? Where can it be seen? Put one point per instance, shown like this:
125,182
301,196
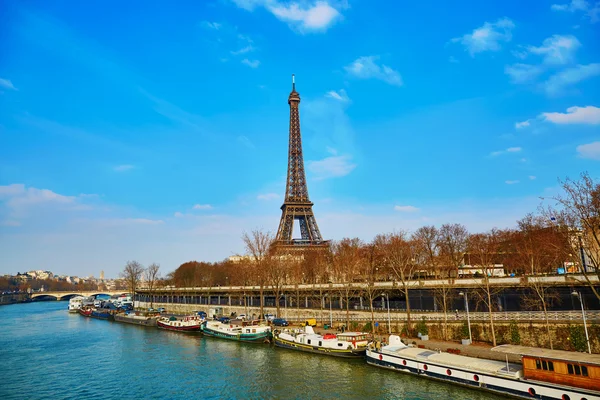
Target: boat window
577,370
308,341
570,369
544,365
550,366
584,370
340,344
320,343
538,364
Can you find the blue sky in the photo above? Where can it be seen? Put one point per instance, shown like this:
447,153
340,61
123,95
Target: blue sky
158,131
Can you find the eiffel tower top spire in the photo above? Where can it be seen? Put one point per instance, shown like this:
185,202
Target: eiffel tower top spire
297,205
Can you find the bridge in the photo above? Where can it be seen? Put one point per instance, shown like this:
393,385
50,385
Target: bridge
66,295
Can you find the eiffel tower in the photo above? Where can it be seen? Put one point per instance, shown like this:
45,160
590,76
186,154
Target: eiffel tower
297,205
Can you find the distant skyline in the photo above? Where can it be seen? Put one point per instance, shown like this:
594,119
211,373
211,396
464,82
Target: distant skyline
158,132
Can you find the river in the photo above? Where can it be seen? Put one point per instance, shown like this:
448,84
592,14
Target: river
47,353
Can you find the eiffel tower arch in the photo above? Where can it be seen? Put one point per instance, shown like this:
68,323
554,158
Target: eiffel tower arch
297,205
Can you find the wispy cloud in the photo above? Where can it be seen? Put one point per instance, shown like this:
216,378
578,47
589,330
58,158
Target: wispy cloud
243,50
590,150
366,67
532,177
523,73
268,196
331,167
408,209
202,207
557,49
307,16
340,95
7,84
560,81
506,151
245,142
211,25
511,182
523,124
574,115
591,11
487,37
123,168
251,63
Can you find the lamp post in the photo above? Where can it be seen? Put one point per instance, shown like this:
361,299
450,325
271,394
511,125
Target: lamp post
468,318
587,338
330,314
385,295
284,306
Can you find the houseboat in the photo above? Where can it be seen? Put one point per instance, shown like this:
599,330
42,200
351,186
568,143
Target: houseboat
185,324
86,311
107,311
524,380
242,331
137,319
75,304
347,344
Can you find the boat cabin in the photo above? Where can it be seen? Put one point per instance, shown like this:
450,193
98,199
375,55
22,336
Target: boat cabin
557,366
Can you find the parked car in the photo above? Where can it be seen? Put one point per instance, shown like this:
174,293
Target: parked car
280,322
269,317
242,316
161,309
224,320
201,314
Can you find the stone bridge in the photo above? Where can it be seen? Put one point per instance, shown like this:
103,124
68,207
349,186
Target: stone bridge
66,295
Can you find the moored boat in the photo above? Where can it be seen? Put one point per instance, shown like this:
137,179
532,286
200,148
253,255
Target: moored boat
86,311
135,319
498,376
347,344
242,331
185,324
106,312
75,304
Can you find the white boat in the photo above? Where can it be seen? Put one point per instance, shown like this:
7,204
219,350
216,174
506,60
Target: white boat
495,376
75,304
347,344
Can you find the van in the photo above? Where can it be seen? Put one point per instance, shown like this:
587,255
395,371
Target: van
310,322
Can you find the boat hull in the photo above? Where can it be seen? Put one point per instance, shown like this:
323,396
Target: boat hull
518,388
185,328
85,312
142,321
344,353
102,315
260,337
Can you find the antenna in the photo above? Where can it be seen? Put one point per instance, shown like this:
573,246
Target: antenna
293,82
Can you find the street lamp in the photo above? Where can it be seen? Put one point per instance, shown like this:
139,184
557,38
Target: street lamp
284,306
385,295
468,318
330,314
587,338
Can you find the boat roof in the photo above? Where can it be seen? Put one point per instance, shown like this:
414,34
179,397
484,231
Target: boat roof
549,354
454,360
351,334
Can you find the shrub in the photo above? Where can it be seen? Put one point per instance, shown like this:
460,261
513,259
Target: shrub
422,327
464,331
577,337
515,336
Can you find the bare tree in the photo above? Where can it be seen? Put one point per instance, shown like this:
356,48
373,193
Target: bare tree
258,245
399,255
578,212
132,274
484,252
347,260
452,244
152,274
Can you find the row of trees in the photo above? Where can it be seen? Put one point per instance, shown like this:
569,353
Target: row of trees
136,274
566,233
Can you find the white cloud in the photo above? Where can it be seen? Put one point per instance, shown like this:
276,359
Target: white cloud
305,16
123,168
341,95
557,49
574,115
523,124
243,50
367,68
453,60
7,84
532,177
211,25
202,207
590,150
406,208
511,182
178,214
508,150
251,64
331,167
267,196
487,37
17,194
558,82
522,73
